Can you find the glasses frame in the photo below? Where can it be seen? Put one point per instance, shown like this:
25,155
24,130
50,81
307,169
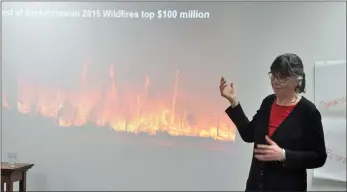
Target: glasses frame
279,79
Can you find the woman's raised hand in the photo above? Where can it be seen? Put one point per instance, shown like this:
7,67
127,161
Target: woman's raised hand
228,91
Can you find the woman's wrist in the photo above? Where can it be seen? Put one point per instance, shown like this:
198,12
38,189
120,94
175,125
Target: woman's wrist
233,102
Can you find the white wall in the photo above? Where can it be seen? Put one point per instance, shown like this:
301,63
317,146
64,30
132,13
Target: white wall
239,41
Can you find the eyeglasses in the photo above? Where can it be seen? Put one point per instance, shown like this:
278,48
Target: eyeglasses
278,77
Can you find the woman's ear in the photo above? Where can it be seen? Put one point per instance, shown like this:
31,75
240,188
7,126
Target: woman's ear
299,83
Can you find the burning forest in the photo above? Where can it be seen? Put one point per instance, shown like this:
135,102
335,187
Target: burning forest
124,109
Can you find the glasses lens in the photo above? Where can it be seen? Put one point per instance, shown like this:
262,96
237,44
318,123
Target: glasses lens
282,80
277,77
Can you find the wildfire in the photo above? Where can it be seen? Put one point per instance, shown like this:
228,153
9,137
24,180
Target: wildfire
121,108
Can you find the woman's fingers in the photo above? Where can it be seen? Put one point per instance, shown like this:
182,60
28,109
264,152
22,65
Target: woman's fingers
262,151
222,84
222,87
222,81
231,84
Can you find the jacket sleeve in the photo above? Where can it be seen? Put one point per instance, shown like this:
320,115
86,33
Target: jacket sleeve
242,123
315,154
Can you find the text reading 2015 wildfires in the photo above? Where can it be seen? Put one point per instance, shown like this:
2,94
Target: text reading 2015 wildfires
107,14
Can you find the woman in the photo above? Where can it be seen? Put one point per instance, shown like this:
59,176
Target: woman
286,131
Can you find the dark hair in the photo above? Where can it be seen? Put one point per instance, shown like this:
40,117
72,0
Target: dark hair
289,65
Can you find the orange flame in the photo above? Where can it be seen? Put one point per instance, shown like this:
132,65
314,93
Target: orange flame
126,110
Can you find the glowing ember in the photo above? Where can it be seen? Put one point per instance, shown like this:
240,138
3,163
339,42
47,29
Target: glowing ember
126,110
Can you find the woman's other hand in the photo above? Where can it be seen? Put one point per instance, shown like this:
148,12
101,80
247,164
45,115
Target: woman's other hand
270,152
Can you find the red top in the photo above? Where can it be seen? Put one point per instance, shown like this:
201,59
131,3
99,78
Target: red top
277,115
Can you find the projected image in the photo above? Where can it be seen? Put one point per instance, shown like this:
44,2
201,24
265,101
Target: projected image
137,109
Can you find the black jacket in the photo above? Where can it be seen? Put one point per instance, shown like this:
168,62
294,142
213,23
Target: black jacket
300,134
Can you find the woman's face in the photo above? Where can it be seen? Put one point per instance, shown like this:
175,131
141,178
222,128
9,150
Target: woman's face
281,85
